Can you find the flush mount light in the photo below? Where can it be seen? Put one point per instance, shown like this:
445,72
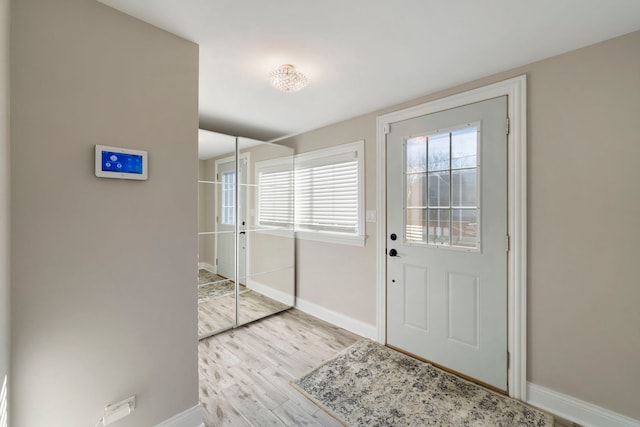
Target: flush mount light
287,79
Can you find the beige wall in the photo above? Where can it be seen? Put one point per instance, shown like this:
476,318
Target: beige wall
4,191
103,271
338,277
584,322
583,175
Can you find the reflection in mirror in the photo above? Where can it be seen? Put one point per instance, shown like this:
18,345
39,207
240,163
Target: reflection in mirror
266,239
245,230
216,233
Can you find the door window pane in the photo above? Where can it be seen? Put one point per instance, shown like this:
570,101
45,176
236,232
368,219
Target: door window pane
439,226
464,148
438,148
416,190
442,192
228,198
464,189
439,190
464,227
415,228
417,154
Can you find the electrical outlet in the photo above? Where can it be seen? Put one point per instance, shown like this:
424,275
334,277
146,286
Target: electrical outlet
117,411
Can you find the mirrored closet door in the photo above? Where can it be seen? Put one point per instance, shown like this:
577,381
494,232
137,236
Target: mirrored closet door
246,237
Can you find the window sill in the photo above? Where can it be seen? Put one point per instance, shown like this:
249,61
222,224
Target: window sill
280,232
341,239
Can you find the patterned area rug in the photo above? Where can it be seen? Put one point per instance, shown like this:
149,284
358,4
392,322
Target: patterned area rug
371,385
211,285
205,276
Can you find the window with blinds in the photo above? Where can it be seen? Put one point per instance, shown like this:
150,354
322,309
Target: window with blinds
329,190
275,196
328,194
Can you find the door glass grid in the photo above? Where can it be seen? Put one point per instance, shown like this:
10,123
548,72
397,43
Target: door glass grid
228,198
442,193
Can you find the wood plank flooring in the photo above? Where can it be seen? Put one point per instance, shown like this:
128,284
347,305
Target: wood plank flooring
218,313
245,372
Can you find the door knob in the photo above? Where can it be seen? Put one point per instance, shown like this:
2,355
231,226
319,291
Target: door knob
393,236
393,252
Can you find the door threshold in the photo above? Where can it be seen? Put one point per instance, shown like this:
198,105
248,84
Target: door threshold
451,371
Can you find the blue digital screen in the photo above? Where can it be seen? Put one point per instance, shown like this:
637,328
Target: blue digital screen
121,162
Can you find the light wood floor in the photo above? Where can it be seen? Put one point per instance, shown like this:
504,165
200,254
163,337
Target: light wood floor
245,372
219,313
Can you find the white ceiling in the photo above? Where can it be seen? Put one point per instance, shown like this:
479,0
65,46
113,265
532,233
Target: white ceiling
363,55
215,144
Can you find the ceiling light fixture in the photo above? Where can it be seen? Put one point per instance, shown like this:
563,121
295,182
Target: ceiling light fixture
287,79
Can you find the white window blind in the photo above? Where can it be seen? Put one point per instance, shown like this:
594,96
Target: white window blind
275,197
328,190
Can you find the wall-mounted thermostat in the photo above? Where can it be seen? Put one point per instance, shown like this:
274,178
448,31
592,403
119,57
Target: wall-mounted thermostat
122,163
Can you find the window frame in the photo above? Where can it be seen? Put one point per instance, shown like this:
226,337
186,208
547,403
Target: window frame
317,156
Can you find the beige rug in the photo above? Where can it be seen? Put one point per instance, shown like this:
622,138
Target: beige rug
371,385
212,285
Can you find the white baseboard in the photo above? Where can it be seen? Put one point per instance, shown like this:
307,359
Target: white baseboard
267,291
576,410
208,267
350,324
189,418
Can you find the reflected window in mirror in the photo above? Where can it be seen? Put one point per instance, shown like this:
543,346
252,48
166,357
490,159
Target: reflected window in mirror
275,193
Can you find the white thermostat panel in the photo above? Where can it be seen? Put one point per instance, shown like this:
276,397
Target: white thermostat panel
122,163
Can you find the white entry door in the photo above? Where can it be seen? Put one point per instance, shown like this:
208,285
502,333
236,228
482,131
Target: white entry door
226,219
447,239
226,214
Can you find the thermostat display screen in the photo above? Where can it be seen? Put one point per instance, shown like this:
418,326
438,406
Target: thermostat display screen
121,162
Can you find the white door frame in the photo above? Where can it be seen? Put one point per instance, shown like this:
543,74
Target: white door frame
515,89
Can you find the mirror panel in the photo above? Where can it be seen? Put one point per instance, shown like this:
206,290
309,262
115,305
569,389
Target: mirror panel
217,237
266,239
245,231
